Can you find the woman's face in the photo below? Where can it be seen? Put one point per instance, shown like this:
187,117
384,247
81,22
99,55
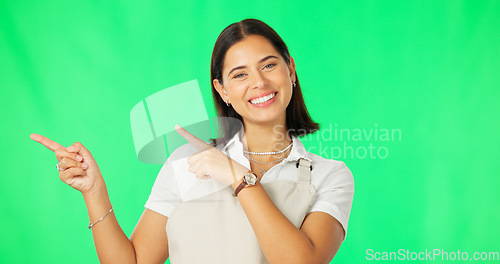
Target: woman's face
257,81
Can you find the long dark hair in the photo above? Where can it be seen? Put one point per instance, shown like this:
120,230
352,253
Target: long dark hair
298,120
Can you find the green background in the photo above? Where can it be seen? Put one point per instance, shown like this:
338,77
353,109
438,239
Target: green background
73,70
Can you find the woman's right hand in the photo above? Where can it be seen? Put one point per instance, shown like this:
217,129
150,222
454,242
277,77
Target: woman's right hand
78,168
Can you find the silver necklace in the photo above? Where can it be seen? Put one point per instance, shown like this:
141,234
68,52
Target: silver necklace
267,163
269,153
262,171
254,161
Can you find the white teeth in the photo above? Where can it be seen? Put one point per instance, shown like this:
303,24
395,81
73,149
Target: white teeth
262,100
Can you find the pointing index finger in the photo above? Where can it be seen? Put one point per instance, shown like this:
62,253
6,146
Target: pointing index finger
196,142
52,145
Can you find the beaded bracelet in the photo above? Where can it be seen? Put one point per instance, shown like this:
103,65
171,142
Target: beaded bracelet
91,225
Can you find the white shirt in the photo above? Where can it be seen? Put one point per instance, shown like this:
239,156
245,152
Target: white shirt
331,179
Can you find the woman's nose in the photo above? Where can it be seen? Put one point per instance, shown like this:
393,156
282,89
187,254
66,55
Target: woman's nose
258,80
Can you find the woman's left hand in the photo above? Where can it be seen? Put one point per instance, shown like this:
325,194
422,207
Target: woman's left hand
210,162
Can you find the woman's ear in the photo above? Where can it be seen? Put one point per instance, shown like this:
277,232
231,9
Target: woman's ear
291,68
220,89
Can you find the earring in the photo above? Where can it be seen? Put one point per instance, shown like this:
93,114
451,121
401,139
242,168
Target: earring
294,84
227,103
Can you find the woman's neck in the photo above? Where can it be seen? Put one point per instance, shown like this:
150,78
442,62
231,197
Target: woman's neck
267,138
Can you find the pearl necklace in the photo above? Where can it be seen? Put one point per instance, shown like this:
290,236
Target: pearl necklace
269,153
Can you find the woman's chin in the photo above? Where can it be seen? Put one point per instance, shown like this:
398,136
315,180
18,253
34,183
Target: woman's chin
265,119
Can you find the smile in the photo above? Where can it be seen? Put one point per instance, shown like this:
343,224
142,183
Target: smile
263,99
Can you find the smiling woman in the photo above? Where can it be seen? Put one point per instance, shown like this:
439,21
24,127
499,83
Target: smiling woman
286,211
254,195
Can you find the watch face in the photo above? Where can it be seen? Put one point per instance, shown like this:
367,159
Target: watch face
250,178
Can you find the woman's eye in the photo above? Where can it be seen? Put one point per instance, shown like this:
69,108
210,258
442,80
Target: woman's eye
269,65
239,75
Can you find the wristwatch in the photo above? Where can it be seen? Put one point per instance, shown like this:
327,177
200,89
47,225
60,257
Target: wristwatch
249,179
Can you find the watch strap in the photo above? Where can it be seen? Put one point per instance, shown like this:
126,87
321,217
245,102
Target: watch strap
239,188
243,184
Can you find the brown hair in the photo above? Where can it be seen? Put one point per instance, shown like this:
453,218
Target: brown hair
298,120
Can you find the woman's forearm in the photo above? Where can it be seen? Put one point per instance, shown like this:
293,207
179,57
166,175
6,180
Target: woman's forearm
111,243
280,240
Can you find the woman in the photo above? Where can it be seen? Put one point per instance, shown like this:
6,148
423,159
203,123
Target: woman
259,196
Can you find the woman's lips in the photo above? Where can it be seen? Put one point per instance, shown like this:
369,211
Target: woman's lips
266,103
262,95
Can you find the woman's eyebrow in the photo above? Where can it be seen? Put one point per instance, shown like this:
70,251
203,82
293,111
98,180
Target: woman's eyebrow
260,61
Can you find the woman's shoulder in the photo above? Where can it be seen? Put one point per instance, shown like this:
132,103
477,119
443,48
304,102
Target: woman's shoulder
325,163
330,173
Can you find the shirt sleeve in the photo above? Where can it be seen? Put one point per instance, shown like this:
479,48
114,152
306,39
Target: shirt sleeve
334,195
164,196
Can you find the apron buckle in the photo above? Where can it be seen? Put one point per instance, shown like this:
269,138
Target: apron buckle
298,161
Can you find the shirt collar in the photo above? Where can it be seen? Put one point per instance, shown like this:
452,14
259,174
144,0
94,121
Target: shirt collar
298,150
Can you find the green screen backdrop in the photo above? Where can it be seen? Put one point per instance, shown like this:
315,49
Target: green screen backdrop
407,94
